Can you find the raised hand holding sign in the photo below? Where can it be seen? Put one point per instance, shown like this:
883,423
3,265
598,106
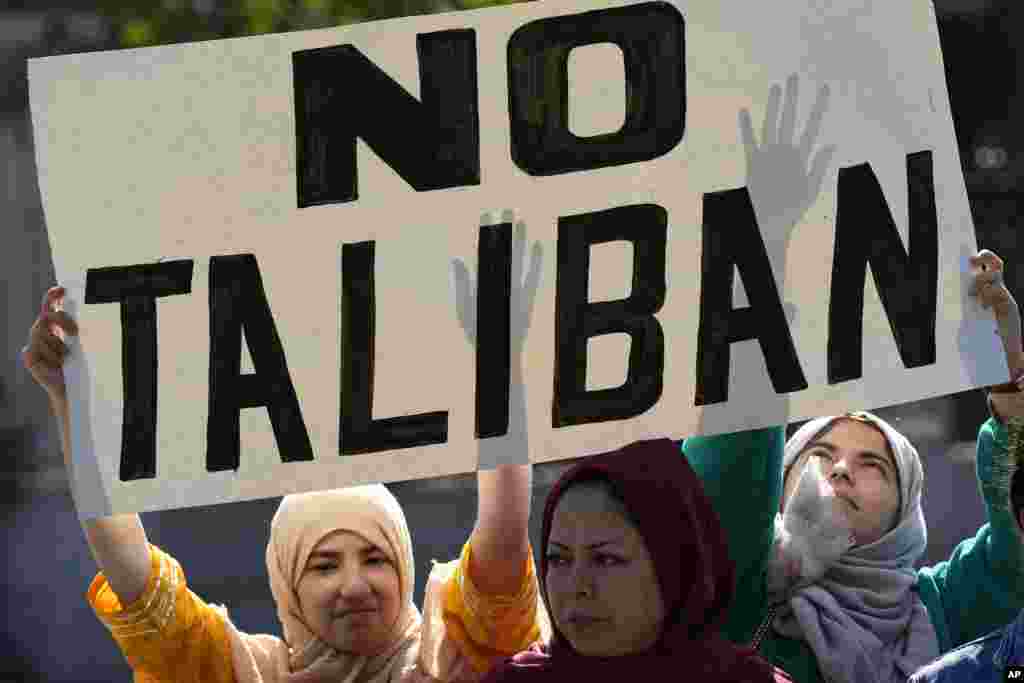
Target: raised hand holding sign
43,356
988,288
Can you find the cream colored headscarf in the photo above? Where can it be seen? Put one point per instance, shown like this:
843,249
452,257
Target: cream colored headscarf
301,522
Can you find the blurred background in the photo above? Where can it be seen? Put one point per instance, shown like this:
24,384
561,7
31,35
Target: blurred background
47,630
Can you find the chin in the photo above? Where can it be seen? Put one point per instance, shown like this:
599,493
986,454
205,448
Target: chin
367,646
589,649
594,650
592,647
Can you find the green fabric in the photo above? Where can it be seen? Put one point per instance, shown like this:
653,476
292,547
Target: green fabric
742,474
977,590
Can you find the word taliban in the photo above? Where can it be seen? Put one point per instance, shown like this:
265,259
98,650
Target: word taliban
437,147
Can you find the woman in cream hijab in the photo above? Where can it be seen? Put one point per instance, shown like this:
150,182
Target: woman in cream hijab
341,572
340,565
344,598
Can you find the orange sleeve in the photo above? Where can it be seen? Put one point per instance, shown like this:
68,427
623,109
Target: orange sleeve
169,634
487,628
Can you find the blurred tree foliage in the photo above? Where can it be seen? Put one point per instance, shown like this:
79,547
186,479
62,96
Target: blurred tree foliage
138,23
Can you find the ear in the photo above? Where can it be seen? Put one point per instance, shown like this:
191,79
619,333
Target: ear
1020,518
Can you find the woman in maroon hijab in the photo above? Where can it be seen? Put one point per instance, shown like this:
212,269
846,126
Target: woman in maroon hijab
636,577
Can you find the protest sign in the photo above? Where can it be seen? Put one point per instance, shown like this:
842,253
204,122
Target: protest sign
257,236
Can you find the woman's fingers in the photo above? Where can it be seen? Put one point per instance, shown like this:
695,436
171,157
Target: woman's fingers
988,279
46,350
56,345
43,351
27,358
53,327
64,321
44,345
987,261
50,299
988,287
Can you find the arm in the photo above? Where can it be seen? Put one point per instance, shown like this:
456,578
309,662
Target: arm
169,634
980,588
164,630
489,598
747,467
118,543
501,542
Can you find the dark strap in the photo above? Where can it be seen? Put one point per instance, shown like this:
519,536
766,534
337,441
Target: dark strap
762,630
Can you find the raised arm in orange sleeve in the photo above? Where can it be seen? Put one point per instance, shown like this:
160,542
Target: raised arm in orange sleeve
486,628
169,634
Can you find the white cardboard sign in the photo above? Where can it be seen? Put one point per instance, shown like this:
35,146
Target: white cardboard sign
694,177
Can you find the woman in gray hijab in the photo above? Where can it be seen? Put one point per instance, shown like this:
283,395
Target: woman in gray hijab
827,581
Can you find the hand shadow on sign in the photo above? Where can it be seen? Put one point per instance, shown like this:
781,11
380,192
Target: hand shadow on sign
88,491
978,335
782,188
512,448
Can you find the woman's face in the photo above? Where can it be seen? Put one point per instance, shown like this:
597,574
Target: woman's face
856,461
601,584
349,594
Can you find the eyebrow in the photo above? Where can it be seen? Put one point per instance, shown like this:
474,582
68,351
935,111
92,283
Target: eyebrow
331,554
590,546
832,448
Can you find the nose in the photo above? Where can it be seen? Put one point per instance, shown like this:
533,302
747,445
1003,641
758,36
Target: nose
354,586
841,469
582,580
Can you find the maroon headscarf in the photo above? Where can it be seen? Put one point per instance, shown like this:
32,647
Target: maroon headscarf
687,544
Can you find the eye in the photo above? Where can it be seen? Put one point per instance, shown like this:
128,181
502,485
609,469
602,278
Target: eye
822,453
323,568
377,560
878,466
606,560
555,560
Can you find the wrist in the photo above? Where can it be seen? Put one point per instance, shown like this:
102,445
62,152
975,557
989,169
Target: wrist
992,410
1015,359
58,402
1004,304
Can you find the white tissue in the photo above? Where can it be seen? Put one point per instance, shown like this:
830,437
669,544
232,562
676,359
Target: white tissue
810,536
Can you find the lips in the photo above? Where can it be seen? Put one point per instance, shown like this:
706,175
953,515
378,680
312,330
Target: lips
581,620
842,495
357,613
848,500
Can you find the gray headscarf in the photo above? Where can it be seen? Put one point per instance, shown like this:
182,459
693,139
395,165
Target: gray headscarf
864,619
